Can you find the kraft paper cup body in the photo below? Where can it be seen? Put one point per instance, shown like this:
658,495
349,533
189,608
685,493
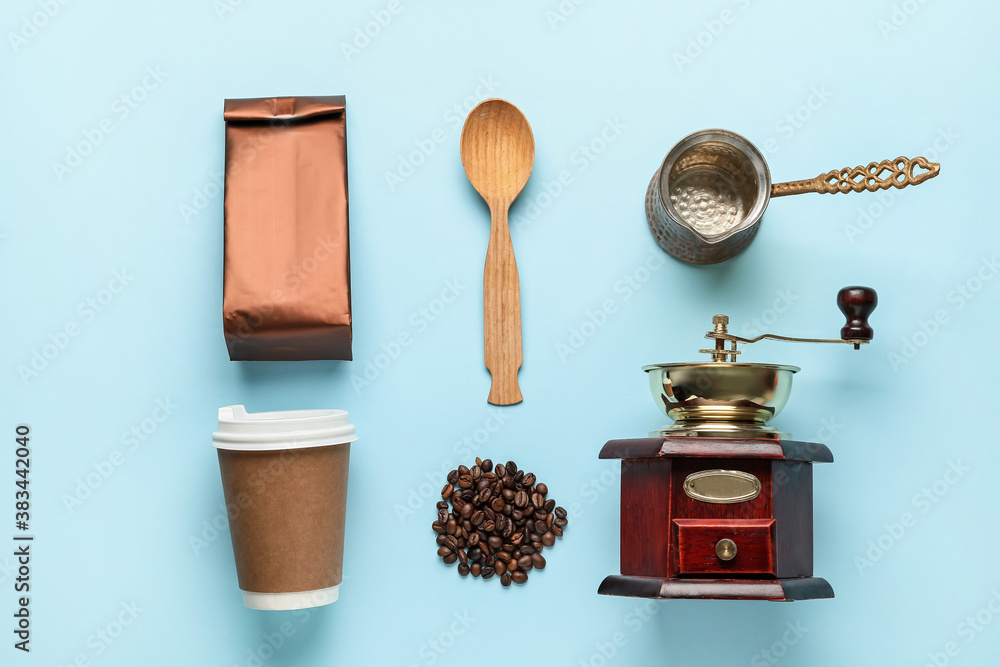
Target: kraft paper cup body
284,476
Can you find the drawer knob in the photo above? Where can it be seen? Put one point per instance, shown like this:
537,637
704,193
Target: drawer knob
725,549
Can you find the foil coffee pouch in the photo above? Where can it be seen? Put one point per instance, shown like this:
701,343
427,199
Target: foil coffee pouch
287,282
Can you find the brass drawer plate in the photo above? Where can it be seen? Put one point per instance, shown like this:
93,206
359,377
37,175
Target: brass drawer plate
722,486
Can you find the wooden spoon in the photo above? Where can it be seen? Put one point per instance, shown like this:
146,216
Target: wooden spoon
498,151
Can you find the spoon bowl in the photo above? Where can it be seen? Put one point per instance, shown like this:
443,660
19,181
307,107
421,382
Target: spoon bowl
498,150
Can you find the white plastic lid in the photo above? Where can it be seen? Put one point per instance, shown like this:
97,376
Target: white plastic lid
289,601
292,429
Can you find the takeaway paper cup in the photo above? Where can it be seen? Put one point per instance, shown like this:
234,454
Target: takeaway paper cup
284,476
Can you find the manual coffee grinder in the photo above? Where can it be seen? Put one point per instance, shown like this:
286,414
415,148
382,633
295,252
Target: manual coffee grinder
719,504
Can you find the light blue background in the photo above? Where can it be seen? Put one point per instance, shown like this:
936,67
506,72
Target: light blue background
927,86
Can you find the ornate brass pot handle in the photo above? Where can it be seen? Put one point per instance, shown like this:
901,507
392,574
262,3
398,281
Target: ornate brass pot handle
876,176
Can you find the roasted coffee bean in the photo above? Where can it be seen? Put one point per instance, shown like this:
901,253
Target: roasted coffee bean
529,526
498,504
517,516
451,527
538,561
560,513
444,551
485,495
508,529
500,567
486,465
548,539
463,569
475,553
505,579
516,538
488,526
466,510
450,558
440,540
536,545
465,481
518,476
476,569
556,530
521,499
462,470
528,480
512,565
450,541
452,477
508,510
476,472
462,556
550,519
503,556
438,527
527,550
560,522
500,470
442,505
519,577
537,499
477,518
447,491
511,468
509,494
542,489
488,573
524,563
474,539
507,483
494,541
549,505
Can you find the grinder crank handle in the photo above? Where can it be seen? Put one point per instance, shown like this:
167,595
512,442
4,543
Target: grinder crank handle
876,176
857,303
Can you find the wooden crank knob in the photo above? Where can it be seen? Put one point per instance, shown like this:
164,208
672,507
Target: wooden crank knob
857,303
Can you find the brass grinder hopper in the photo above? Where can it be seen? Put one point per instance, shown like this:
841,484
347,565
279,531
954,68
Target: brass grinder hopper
723,398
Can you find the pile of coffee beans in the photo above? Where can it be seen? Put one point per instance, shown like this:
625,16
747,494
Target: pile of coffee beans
499,523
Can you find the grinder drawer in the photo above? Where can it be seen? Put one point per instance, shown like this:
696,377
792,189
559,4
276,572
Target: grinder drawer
718,546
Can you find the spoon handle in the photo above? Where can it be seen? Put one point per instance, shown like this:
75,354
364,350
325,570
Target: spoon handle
876,176
501,311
